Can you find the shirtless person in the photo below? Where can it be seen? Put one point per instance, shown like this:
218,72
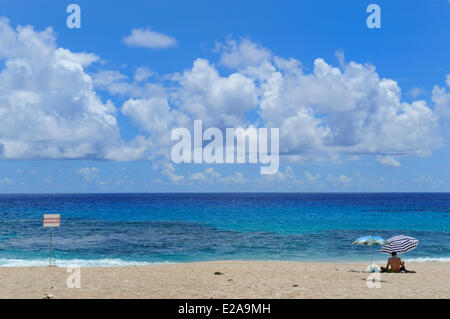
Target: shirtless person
395,263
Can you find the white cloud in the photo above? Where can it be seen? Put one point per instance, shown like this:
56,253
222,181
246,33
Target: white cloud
197,177
345,179
236,178
415,92
47,105
243,54
218,101
143,74
88,173
280,176
321,115
156,119
211,172
117,83
6,181
124,182
311,178
105,78
441,99
153,114
210,176
351,111
388,161
147,38
341,180
330,178
167,169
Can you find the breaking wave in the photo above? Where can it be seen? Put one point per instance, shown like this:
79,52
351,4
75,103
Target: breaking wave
106,262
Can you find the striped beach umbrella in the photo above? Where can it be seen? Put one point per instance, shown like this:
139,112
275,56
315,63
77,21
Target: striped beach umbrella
399,244
369,241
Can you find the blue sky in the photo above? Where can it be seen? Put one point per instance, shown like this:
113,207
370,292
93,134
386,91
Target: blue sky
359,109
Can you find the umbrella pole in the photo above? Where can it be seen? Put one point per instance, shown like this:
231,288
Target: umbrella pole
370,256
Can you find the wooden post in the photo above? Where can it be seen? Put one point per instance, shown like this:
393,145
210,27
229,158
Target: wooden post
50,259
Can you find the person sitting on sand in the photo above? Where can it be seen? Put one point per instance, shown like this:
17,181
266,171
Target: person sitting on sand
394,264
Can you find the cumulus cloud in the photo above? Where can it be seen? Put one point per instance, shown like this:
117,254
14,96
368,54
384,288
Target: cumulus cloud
156,119
388,161
197,177
218,101
47,103
310,177
279,177
415,92
142,74
49,106
147,38
332,111
168,170
117,83
88,173
150,115
345,179
344,111
441,99
210,175
105,79
6,181
339,181
336,110
236,178
243,54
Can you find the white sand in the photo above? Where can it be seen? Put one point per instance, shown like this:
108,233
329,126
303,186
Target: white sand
240,279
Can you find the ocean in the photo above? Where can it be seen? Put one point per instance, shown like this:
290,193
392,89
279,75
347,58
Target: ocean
139,229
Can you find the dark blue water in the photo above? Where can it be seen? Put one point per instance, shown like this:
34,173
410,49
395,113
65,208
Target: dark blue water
119,229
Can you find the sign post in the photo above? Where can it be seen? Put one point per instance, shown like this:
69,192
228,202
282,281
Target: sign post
51,221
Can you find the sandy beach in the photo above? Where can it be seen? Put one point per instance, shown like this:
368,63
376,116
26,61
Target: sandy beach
227,279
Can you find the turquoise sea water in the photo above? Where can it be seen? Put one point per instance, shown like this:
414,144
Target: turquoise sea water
122,229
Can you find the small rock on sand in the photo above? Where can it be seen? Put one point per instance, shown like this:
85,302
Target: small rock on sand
218,273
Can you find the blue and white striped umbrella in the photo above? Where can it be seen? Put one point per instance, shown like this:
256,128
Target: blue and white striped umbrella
399,244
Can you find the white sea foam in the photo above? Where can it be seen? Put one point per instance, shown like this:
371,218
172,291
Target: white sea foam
117,262
428,259
106,262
